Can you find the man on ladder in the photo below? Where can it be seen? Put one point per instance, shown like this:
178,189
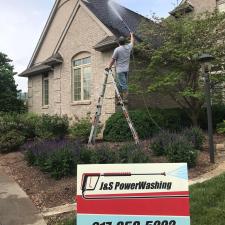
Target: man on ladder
121,57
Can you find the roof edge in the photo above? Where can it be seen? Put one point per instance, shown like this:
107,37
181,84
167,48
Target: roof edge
44,32
80,4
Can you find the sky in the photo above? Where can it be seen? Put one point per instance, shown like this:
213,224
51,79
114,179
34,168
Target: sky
21,24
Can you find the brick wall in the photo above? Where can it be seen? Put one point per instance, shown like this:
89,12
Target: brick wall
201,6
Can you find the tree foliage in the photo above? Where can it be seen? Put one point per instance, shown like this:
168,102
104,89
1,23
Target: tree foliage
8,88
171,49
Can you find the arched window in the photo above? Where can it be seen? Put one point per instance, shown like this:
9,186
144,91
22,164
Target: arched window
81,77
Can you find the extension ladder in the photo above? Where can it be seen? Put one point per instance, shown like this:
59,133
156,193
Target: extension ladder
96,121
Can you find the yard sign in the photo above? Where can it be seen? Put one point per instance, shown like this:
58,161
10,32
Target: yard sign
133,194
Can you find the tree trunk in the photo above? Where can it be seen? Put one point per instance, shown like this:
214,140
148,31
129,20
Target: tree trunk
194,118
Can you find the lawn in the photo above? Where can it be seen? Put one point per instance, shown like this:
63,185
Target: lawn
207,203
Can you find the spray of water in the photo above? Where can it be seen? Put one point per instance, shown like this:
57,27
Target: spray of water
112,7
114,10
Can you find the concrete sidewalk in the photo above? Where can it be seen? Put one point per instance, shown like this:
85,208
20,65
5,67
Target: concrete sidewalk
15,206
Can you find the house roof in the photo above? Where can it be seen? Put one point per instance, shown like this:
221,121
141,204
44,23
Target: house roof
45,66
54,60
34,70
106,44
104,12
184,7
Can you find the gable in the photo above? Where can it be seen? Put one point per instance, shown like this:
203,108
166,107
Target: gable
53,30
83,34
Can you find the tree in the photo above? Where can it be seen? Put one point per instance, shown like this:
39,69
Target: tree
173,67
8,88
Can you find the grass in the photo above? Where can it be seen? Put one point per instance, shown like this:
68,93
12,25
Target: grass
207,203
68,222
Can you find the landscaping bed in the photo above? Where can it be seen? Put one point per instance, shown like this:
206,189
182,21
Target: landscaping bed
46,192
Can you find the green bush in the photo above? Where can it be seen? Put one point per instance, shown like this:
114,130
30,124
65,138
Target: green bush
80,129
160,141
117,129
52,127
61,163
130,153
11,141
195,136
30,121
221,127
60,157
56,157
104,154
180,150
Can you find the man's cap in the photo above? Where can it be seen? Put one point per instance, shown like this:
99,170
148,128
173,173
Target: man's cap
122,39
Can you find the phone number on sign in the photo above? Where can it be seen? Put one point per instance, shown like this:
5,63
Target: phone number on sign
157,222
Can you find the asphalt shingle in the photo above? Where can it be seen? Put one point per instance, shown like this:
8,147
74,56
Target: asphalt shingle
103,11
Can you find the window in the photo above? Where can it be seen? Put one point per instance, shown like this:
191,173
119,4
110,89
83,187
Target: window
45,90
81,79
221,5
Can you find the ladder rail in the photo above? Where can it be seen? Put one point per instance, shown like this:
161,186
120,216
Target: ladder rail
98,112
125,112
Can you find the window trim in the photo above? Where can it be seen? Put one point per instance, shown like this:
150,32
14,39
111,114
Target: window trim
81,67
45,78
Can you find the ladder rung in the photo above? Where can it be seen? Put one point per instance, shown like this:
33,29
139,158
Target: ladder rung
109,113
109,98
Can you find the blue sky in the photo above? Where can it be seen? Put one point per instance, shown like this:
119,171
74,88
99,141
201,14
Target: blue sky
21,24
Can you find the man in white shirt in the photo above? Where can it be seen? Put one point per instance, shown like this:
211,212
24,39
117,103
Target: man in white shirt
121,57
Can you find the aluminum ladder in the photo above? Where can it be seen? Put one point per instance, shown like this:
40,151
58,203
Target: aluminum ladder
94,128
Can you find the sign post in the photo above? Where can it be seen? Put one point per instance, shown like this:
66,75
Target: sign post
133,194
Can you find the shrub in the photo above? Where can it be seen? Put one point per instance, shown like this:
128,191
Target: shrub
57,157
9,122
160,141
52,127
31,125
30,121
81,129
61,163
104,154
11,141
195,136
117,129
221,127
130,153
180,150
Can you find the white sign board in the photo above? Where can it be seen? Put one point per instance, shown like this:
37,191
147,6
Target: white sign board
133,194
